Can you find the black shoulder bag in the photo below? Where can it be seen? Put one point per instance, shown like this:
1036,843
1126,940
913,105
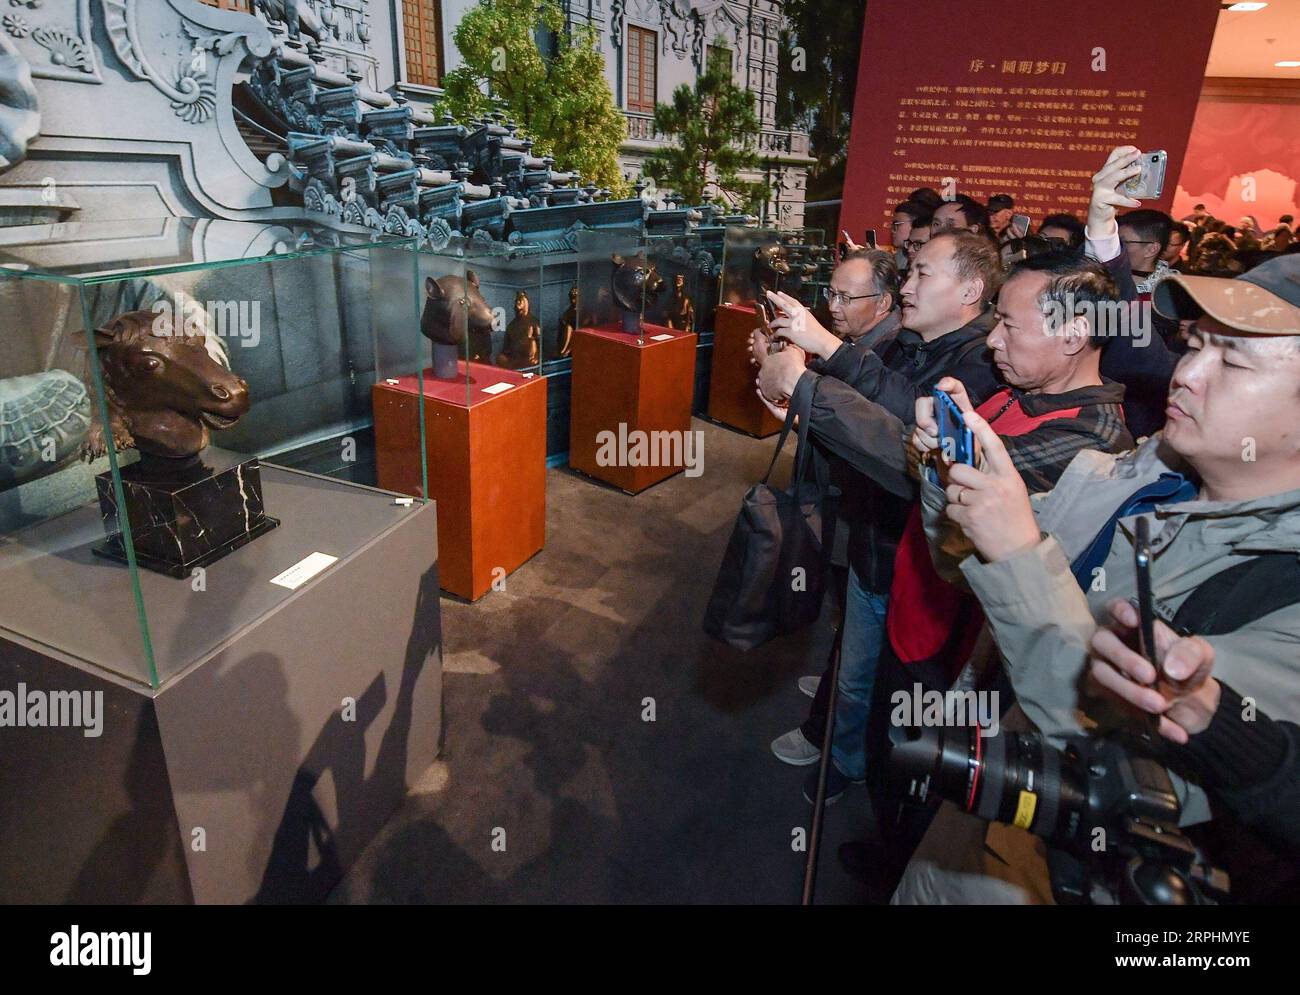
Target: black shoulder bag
773,573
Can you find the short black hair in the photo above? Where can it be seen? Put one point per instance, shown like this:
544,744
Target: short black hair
1070,223
1001,202
1073,280
1285,219
927,197
1199,207
1182,229
912,209
1152,225
974,256
973,213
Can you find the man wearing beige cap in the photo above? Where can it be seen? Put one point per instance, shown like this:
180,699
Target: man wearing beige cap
1219,488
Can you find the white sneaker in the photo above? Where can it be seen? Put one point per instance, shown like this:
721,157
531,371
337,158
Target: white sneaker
809,685
793,748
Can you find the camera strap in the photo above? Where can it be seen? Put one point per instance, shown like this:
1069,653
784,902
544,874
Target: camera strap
1240,595
1232,598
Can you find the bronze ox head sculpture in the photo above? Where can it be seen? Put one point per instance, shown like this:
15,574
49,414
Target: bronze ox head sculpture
163,390
634,281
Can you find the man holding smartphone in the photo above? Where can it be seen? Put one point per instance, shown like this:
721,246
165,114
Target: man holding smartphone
1248,761
1220,487
1136,355
862,399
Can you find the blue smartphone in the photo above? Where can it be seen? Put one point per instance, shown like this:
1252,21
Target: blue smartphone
955,439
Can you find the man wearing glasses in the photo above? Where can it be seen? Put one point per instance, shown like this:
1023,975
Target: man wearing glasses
900,230
862,299
1145,236
918,236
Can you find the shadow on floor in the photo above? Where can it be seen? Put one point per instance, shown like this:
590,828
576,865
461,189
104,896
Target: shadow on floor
598,747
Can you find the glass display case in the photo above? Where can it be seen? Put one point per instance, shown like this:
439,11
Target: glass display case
481,451
154,376
676,260
487,317
621,288
633,369
797,262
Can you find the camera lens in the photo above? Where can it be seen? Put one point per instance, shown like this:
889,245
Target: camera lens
1014,778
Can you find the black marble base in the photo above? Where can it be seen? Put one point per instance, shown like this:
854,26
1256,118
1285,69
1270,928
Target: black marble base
184,513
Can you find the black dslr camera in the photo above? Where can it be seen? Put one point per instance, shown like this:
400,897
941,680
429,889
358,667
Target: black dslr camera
1109,816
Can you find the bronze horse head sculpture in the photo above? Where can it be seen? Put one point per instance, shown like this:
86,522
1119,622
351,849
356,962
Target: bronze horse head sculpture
162,388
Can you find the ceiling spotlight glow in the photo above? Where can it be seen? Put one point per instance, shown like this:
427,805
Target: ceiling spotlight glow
1288,64
1241,7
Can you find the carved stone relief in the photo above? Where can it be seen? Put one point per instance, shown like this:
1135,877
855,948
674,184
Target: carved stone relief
54,39
187,80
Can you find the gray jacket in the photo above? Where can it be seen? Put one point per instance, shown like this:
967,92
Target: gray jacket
1042,623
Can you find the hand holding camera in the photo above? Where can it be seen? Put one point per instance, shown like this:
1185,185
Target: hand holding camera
940,437
779,375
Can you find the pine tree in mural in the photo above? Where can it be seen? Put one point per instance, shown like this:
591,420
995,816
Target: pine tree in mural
713,128
560,100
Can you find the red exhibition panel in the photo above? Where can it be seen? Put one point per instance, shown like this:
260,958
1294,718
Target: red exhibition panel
1024,97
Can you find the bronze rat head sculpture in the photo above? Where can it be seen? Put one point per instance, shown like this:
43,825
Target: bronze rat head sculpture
452,307
162,388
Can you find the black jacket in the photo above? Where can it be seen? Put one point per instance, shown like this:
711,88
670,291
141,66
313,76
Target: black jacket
1144,370
863,407
1250,767
855,498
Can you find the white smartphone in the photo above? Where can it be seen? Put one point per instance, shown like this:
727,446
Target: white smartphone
1148,184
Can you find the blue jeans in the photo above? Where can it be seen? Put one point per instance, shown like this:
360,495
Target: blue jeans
864,634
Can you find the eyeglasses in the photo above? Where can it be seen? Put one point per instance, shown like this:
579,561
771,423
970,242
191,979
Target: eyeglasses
1139,241
836,297
913,244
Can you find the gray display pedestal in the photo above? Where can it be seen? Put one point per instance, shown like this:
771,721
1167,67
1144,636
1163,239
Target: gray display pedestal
287,727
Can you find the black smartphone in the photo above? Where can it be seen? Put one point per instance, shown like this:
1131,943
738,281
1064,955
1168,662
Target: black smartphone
871,238
1146,604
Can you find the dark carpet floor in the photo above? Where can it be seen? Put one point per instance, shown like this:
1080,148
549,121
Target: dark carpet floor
552,786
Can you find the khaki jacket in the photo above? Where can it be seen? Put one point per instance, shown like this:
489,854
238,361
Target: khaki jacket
1042,623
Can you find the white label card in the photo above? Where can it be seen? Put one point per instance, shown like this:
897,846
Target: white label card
304,570
659,338
497,388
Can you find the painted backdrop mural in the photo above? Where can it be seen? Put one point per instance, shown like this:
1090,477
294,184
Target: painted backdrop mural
1242,158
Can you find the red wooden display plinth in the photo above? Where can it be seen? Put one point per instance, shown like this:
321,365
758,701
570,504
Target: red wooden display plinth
646,388
486,463
732,400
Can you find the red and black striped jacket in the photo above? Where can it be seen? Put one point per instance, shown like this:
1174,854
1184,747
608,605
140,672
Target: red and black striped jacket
930,621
